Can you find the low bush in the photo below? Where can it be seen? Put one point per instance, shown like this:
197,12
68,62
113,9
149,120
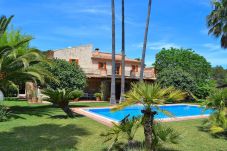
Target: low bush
4,113
77,94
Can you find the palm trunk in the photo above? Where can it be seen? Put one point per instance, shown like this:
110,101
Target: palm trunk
65,107
123,54
148,120
145,41
113,82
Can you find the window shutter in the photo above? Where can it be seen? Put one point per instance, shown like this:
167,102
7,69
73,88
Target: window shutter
105,65
136,68
77,61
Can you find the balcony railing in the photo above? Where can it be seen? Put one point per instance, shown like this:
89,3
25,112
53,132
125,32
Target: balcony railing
104,72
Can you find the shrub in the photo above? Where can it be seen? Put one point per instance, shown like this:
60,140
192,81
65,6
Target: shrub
98,95
10,91
178,78
61,98
4,113
184,69
70,75
217,122
78,94
204,89
219,74
187,60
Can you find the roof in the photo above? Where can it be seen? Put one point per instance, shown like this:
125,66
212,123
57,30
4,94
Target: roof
108,56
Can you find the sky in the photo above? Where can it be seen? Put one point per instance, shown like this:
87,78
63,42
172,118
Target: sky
56,24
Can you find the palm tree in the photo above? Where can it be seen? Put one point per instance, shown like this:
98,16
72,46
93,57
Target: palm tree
113,76
18,62
217,122
61,98
145,41
4,22
126,129
150,95
123,54
216,21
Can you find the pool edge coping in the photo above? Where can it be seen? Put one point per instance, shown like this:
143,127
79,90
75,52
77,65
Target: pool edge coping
109,122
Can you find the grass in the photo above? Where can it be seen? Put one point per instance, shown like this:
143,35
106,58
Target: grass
43,127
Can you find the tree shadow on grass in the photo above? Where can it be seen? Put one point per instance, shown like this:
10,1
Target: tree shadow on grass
41,110
64,116
42,137
16,111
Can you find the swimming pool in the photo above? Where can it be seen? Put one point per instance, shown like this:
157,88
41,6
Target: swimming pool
178,110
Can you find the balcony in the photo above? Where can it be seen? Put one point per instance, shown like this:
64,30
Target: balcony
148,74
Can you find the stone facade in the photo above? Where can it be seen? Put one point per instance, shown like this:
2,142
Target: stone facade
98,67
89,60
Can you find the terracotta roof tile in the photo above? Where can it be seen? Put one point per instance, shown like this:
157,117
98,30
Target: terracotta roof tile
108,56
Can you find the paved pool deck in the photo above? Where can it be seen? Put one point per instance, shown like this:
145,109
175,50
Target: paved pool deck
108,122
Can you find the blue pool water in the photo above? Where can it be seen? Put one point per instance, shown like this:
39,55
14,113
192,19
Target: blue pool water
135,110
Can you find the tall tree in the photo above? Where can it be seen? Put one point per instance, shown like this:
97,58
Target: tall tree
145,41
123,53
217,21
113,76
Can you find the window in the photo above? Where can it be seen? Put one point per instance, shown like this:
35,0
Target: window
102,65
134,68
76,61
118,69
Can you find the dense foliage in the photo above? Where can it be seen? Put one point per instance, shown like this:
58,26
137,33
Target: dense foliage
18,61
177,78
219,74
186,59
4,113
61,98
184,69
216,21
217,122
70,75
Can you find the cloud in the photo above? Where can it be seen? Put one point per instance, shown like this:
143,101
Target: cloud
158,45
211,46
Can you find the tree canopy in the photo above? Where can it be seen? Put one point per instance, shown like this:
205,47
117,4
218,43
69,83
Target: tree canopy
219,74
187,60
177,78
184,69
70,75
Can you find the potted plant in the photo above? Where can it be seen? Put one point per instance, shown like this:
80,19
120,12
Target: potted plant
98,96
77,94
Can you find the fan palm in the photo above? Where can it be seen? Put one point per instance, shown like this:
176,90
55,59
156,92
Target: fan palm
216,21
150,95
61,98
217,122
126,129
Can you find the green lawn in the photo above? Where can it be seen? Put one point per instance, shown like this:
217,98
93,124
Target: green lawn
42,127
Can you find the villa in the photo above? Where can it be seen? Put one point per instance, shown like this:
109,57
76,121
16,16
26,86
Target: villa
97,67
